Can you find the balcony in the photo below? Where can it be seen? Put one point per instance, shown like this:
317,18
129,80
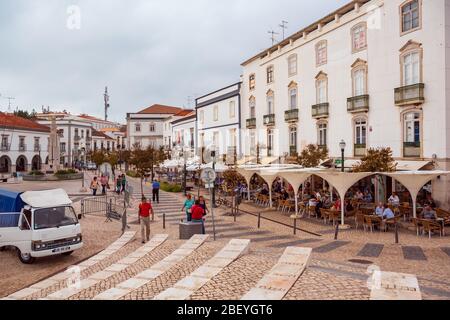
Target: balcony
251,123
411,149
413,94
291,115
4,147
360,150
269,120
320,110
22,147
37,147
77,138
358,104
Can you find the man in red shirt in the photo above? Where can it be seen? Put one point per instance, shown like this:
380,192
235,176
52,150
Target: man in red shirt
145,209
198,213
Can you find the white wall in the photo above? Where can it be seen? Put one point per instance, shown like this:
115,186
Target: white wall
383,59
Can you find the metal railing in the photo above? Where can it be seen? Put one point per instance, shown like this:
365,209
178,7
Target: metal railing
320,110
358,103
98,206
291,115
37,147
251,123
22,147
360,150
4,147
412,94
269,120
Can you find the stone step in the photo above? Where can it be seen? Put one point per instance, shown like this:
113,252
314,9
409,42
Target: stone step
394,286
69,272
276,284
121,265
184,288
146,276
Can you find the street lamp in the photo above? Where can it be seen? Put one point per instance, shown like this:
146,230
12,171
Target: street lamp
342,145
183,155
213,156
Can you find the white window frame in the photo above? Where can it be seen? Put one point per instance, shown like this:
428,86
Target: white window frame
359,43
216,113
321,53
292,65
270,71
411,28
322,133
252,108
232,109
360,125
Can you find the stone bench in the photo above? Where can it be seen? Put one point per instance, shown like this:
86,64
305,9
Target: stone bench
394,286
189,229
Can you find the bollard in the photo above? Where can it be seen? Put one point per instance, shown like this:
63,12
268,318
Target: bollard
259,220
295,226
164,221
337,231
396,233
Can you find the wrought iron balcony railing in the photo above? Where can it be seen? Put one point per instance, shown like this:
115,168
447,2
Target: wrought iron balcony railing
412,94
291,115
358,103
320,110
269,120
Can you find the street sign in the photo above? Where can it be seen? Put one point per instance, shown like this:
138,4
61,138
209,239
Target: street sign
208,175
209,185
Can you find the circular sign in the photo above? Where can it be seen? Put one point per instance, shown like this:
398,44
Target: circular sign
208,175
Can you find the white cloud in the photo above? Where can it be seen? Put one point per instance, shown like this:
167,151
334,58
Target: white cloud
146,51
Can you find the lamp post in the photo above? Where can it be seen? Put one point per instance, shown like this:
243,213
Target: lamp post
183,155
213,156
342,145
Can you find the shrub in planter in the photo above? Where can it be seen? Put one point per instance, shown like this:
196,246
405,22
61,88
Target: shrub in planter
36,173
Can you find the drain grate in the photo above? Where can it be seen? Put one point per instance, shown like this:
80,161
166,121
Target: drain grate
359,261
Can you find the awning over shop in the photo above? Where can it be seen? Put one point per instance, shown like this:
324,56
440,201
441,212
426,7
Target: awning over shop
269,160
414,165
246,160
219,167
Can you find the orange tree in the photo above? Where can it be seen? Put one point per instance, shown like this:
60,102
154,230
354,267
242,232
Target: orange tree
377,160
312,155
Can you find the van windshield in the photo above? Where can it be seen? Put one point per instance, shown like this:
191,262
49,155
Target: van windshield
54,218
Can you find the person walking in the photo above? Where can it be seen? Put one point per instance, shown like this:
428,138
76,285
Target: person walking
187,206
123,182
104,183
145,208
119,184
155,190
94,186
197,214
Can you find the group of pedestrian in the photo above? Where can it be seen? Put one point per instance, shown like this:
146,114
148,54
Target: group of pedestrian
195,210
103,183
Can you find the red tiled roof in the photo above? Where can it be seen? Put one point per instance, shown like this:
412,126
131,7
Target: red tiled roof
160,109
96,133
88,117
10,121
183,113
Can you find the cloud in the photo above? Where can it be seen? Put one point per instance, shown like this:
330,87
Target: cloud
145,51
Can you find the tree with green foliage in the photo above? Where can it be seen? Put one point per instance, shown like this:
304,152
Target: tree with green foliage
377,160
25,114
312,156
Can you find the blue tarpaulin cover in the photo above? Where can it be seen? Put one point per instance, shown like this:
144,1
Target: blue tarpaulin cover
10,201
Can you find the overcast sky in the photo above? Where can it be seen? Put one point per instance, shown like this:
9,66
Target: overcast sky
145,51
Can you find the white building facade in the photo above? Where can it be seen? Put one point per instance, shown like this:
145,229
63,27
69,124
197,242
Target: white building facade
373,73
146,128
23,145
219,121
75,139
184,134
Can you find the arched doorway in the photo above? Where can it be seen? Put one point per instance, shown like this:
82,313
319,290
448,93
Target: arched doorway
21,164
5,164
36,163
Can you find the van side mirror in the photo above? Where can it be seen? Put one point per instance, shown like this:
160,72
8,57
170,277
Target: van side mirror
80,216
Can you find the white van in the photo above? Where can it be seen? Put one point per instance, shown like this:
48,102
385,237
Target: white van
39,224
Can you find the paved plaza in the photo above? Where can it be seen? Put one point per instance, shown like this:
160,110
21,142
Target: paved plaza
337,269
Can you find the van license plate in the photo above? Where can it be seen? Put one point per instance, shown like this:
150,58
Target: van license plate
61,250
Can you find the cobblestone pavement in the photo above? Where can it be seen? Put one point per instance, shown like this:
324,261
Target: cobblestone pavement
338,270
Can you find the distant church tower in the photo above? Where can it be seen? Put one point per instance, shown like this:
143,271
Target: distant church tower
54,149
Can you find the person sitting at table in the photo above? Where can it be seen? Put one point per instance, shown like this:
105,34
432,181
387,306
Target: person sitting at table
379,210
388,213
394,199
265,190
428,213
349,206
318,196
359,195
284,194
326,202
368,197
431,201
337,205
312,202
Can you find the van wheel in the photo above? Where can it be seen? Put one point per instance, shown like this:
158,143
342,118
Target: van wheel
67,253
25,258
